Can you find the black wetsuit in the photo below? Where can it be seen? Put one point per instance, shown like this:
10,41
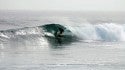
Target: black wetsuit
59,32
58,35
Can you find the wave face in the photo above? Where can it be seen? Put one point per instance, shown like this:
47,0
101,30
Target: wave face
109,32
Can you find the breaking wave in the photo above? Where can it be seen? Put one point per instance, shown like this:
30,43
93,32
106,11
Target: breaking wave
44,32
108,32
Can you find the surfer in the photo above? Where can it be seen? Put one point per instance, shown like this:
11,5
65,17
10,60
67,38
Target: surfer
58,35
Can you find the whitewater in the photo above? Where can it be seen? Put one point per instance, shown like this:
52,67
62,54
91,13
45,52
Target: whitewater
92,40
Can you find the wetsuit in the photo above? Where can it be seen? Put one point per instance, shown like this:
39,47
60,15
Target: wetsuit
59,32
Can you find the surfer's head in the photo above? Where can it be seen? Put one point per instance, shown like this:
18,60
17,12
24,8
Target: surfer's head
61,30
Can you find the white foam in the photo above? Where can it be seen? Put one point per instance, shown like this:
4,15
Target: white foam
104,32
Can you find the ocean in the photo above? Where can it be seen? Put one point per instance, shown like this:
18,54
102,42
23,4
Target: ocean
90,41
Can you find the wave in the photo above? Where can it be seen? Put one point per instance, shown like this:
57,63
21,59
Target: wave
108,32
39,32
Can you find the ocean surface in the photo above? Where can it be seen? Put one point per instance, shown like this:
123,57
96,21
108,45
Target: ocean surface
95,40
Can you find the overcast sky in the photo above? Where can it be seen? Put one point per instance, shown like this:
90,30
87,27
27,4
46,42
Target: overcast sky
66,5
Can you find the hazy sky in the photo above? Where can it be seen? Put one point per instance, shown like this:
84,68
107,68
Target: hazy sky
66,5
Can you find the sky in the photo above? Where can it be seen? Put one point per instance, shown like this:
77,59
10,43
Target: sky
63,5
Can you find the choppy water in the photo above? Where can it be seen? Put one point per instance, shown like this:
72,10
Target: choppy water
99,44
